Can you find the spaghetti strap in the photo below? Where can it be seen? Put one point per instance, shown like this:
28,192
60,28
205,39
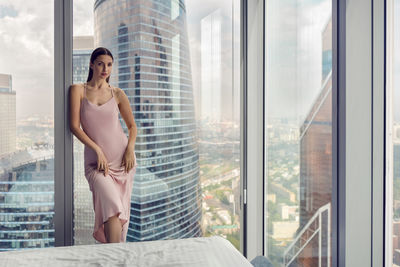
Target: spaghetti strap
84,90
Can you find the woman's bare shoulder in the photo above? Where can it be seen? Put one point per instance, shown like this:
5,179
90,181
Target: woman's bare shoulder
77,86
119,93
77,89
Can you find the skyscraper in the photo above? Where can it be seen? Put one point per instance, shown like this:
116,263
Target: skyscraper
27,198
83,203
82,49
152,65
316,170
316,145
8,130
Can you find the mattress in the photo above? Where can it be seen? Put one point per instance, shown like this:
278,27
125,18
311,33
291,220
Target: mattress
212,251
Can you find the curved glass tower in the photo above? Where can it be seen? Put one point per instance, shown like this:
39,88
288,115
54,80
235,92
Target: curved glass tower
148,39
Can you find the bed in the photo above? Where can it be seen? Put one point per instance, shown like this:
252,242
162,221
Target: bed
212,251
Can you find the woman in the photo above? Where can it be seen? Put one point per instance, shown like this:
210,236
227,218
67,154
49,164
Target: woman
110,161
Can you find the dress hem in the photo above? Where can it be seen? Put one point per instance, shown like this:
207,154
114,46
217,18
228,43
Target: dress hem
99,234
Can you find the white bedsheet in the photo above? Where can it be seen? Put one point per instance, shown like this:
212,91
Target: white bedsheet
199,252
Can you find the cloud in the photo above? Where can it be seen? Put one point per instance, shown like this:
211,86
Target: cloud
293,59
83,17
27,53
195,12
6,10
396,61
27,49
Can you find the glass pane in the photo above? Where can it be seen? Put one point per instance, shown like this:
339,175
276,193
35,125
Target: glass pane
26,124
184,93
83,45
299,132
393,128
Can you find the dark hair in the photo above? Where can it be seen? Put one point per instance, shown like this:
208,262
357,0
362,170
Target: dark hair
98,52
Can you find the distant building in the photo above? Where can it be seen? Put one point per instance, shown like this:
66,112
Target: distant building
82,49
27,198
283,192
8,128
284,230
396,242
288,211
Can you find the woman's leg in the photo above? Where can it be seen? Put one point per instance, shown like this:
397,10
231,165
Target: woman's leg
112,229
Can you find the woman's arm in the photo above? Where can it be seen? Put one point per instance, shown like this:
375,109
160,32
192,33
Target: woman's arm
127,115
75,95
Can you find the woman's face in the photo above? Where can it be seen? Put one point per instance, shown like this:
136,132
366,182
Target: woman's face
102,66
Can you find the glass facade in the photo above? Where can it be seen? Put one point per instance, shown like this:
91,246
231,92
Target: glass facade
27,199
26,125
7,115
299,133
393,130
152,65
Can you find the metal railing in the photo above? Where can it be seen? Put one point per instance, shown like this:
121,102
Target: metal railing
313,228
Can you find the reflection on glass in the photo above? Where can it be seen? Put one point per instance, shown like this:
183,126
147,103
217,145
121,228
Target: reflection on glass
26,126
299,133
83,204
393,122
170,63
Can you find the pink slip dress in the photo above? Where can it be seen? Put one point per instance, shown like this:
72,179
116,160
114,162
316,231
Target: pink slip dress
111,193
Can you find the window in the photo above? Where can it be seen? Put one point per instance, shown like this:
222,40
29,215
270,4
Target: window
298,106
393,133
178,63
26,125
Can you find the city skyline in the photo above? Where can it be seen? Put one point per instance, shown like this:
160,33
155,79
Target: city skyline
11,16
221,206
39,89
37,84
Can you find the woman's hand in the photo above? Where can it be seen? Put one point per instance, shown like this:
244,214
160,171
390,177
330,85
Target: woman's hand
128,160
102,164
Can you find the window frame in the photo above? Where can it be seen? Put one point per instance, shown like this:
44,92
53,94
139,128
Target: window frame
63,141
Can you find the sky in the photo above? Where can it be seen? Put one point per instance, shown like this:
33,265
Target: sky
293,55
27,48
83,17
195,12
396,62
27,53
